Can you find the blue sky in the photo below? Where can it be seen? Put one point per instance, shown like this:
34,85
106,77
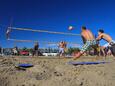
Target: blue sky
55,15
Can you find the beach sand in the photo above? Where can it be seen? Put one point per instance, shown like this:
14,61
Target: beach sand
56,72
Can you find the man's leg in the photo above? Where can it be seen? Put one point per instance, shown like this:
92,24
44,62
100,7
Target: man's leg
60,52
78,55
36,52
105,49
84,48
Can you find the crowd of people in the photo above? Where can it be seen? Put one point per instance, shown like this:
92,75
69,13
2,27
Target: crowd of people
16,51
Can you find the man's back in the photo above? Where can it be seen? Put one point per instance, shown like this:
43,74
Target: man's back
61,45
87,34
106,37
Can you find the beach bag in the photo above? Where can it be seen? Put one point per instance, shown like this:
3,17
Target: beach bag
113,49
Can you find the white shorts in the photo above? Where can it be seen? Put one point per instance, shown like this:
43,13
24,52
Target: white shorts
61,50
108,44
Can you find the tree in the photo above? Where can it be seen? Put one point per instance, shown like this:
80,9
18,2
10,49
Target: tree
24,48
72,50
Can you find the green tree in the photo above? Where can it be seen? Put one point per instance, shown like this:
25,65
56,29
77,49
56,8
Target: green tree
24,48
71,50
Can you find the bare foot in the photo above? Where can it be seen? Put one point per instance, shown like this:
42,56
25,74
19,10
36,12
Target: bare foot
77,56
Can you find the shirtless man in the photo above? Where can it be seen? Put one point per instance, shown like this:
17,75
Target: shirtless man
88,40
36,49
61,48
106,37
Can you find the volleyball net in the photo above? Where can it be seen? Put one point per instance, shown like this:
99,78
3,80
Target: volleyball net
45,38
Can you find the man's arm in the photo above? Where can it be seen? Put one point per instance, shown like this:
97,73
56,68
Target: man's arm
99,37
83,39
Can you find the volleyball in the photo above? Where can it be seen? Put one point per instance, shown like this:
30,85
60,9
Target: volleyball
70,28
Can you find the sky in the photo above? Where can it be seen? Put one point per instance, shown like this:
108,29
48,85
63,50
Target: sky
54,15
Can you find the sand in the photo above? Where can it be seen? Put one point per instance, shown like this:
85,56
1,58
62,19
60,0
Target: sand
56,72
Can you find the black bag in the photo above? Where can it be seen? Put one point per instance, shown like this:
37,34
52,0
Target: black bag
113,49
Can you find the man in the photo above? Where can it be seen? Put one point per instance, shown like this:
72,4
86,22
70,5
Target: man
36,49
88,40
61,48
106,37
15,50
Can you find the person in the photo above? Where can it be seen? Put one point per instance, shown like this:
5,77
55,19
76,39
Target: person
107,38
61,48
88,40
15,50
36,46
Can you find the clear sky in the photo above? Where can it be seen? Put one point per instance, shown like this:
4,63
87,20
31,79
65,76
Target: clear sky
55,15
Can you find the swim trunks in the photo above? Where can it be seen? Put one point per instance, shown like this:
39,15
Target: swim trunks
88,44
61,50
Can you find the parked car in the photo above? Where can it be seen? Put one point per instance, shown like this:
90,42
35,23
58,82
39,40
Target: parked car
24,52
7,51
